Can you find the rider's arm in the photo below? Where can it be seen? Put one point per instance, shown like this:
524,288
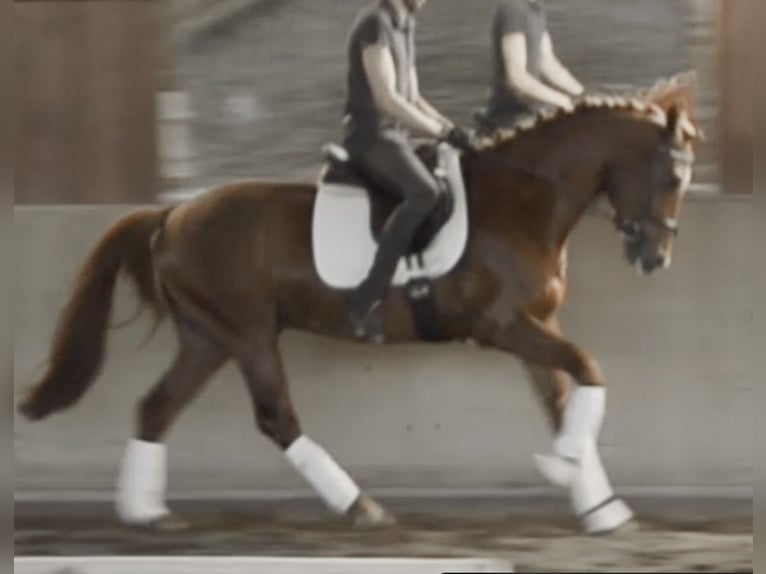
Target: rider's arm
381,73
555,72
423,105
515,57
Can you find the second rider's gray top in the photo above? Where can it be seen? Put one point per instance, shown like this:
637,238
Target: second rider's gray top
516,16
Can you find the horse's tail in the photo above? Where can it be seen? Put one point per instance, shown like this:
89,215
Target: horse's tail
77,350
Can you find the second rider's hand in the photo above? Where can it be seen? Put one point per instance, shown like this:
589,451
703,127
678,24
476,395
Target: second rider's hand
460,138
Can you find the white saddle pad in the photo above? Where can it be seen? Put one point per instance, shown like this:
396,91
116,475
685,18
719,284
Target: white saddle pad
344,246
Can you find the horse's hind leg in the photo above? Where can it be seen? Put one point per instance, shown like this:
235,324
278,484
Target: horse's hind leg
142,481
262,368
591,496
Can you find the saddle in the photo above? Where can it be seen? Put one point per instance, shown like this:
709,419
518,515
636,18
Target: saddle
342,170
350,210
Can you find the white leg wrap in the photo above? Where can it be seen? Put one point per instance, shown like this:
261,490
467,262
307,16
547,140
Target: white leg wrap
330,481
592,497
141,485
583,416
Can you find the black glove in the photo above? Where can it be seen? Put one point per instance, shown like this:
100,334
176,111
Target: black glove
461,139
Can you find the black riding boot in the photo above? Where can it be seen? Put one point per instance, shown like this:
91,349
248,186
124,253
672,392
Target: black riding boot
366,315
366,300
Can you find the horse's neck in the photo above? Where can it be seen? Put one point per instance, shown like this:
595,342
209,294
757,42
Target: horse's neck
562,163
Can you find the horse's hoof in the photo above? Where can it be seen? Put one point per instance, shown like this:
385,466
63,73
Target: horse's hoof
368,514
614,518
557,470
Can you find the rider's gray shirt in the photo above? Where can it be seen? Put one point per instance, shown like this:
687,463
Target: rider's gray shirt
379,24
516,16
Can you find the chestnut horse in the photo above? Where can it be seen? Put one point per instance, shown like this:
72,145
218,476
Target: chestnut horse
233,268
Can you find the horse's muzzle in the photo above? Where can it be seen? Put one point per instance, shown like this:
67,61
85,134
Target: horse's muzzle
645,261
651,264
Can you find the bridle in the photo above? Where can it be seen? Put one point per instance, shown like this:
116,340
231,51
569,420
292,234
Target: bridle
632,227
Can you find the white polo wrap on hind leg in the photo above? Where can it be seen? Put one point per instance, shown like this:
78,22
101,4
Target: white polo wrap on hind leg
140,497
330,481
592,497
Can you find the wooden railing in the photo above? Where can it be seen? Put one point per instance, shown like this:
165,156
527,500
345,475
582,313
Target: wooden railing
738,69
87,74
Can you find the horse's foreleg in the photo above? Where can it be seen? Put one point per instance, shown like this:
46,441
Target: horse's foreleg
276,418
143,474
541,345
591,495
552,388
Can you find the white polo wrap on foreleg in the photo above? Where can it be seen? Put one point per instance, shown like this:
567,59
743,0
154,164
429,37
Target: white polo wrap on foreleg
592,497
140,497
583,416
330,481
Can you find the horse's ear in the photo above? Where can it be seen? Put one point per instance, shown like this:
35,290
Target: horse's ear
676,97
679,126
680,89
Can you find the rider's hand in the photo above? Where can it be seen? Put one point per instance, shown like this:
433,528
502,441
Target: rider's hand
460,138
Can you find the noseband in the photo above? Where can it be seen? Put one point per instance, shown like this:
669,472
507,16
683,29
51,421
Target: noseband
632,227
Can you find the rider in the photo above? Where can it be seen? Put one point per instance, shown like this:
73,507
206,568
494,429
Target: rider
383,103
527,75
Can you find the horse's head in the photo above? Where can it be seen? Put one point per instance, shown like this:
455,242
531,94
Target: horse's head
646,183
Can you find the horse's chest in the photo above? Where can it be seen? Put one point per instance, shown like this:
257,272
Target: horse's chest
552,292
549,299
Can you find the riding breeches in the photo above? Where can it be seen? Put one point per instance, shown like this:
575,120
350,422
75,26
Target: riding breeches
389,159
